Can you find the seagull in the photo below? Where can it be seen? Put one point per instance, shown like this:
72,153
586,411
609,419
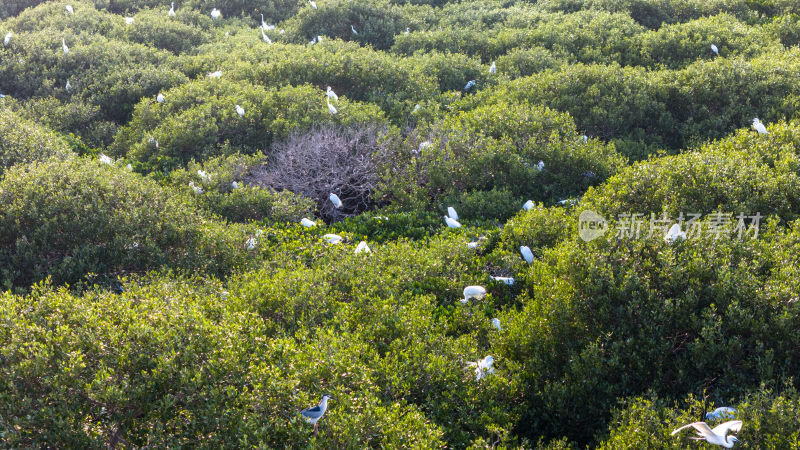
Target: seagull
215,14
496,324
160,98
717,435
7,39
507,280
353,29
129,20
451,212
332,238
526,253
452,223
313,414
528,205
251,243
265,37
197,189
216,74
308,223
203,175
493,69
67,86
476,292
337,203
722,413
540,165
106,160
715,49
331,94
69,9
312,3
172,9
469,85
331,108
64,46
674,234
759,126
234,185
362,247
239,111
482,367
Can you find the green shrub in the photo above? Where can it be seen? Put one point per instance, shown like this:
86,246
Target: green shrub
154,28
525,62
23,141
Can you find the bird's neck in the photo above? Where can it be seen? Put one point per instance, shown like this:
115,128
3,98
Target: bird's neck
323,404
729,442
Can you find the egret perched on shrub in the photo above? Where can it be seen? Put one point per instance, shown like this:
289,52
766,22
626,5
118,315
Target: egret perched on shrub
482,367
496,324
239,111
452,223
362,247
493,68
674,234
332,109
469,85
203,175
715,49
160,98
251,243
337,202
540,166
331,94
424,144
476,292
308,223
172,9
215,14
67,86
717,435
313,414
265,37
332,238
528,205
312,3
153,141
451,212
759,126
216,74
129,20
64,46
526,253
505,280
69,9
196,189
234,185
353,29
106,160
724,412
264,25
7,39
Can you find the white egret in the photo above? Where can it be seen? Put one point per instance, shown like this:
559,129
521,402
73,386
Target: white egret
2,96
312,3
469,85
319,39
451,212
362,247
717,435
715,49
528,205
482,367
203,175
312,415
67,86
308,223
473,244
496,324
264,25
106,160
353,29
153,141
215,14
724,412
216,74
337,203
674,234
584,138
408,30
251,243
129,167
332,238
331,94
239,111
234,185
424,144
506,280
332,109
64,46
7,39
172,9
540,165
129,20
452,223
69,9
759,126
160,98
493,68
313,41
416,108
526,253
265,37
197,189
476,292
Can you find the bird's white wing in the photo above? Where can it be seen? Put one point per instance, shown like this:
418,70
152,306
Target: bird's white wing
722,429
701,427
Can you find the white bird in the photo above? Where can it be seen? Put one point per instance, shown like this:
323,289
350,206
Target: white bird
476,292
416,108
264,25
528,205
129,20
319,39
69,9
482,367
239,111
540,165
203,175
64,46
424,144
129,167
337,203
473,244
106,160
234,185
332,238
408,30
507,280
172,9
312,3
2,96
197,189
363,247
331,94
215,13
493,68
724,412
153,141
526,253
717,435
216,74
312,415
353,29
674,234
759,126
452,223
331,108
469,85
265,37
496,324
67,86
7,39
715,49
308,223
584,138
313,41
251,243
160,98
451,212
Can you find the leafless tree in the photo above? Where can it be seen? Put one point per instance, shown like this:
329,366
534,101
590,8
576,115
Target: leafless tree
316,163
